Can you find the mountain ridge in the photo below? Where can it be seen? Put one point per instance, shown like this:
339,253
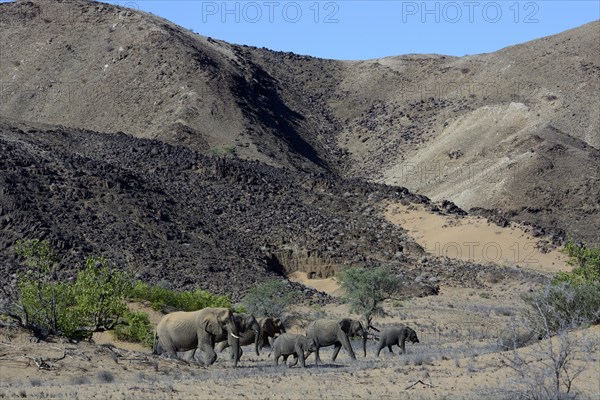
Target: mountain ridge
117,69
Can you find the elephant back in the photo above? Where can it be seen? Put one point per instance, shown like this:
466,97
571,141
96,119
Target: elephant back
322,330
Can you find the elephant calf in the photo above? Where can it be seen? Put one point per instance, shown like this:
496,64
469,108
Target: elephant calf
396,336
289,344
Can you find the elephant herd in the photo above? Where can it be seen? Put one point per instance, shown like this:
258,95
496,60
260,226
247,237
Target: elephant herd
194,336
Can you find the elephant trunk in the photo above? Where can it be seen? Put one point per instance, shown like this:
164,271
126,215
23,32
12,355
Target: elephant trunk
365,336
233,330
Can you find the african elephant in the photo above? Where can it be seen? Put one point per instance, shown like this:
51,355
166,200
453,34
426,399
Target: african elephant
269,327
196,330
396,335
326,332
248,331
288,344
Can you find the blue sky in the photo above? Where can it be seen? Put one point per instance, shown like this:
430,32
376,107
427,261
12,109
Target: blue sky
351,29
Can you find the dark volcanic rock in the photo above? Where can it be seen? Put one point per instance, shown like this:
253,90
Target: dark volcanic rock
170,213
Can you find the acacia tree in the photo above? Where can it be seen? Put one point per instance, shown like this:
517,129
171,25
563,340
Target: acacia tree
366,290
270,298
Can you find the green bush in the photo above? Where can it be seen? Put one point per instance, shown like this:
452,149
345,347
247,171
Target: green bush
161,297
587,265
571,299
270,299
137,329
94,302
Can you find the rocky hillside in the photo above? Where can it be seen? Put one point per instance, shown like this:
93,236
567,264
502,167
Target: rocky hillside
515,130
170,213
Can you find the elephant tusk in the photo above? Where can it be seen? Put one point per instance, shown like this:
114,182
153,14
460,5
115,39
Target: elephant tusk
235,336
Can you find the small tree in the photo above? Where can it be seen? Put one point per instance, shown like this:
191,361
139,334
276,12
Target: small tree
99,297
40,297
270,298
46,306
367,289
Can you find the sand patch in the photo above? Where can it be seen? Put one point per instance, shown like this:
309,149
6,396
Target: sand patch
474,239
328,285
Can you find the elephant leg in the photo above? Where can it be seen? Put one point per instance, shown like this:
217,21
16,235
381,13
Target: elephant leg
294,362
232,354
301,357
346,343
219,347
265,343
379,347
285,359
317,358
167,347
402,346
189,356
208,354
390,349
276,359
170,354
336,350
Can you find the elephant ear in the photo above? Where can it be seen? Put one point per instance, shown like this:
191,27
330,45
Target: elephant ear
405,332
212,326
279,325
345,325
268,326
356,327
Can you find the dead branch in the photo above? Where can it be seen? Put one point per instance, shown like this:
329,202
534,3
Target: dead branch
421,382
46,364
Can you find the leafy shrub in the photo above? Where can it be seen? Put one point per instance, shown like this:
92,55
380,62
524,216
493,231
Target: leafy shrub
587,265
47,306
270,299
41,297
571,300
160,297
99,298
563,306
137,329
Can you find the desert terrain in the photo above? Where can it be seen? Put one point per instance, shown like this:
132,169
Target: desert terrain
461,354
194,163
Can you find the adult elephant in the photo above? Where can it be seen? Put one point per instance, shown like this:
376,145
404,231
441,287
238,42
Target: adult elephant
396,336
248,332
196,330
269,328
327,332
